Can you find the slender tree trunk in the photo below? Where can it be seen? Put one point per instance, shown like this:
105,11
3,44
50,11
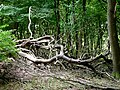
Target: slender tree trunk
16,25
21,32
57,15
100,34
113,37
84,6
84,29
67,24
75,29
74,51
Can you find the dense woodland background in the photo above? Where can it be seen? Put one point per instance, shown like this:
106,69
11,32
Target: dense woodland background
80,25
83,27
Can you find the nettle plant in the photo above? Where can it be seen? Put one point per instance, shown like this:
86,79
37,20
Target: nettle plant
7,46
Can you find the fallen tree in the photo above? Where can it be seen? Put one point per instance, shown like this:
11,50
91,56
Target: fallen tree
48,42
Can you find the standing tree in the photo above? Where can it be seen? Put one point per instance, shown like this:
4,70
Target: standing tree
113,37
57,14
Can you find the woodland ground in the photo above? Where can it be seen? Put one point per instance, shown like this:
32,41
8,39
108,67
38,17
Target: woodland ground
36,71
19,76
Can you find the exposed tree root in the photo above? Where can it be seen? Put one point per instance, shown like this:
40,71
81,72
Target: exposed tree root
47,42
84,82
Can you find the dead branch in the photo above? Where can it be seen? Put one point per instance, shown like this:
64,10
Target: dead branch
46,42
30,23
37,42
59,56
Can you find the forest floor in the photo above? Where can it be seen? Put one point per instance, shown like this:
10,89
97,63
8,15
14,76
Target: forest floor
52,77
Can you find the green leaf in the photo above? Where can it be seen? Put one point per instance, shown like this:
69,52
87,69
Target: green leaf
7,46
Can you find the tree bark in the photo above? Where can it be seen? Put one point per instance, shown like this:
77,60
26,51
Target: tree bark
57,15
68,32
84,27
113,37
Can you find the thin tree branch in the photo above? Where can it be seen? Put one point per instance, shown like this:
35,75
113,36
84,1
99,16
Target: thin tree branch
29,22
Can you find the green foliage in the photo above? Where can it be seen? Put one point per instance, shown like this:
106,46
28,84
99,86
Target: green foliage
8,10
4,26
116,75
7,45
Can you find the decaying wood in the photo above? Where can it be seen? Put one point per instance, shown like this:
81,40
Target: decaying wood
47,42
31,34
37,42
59,56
